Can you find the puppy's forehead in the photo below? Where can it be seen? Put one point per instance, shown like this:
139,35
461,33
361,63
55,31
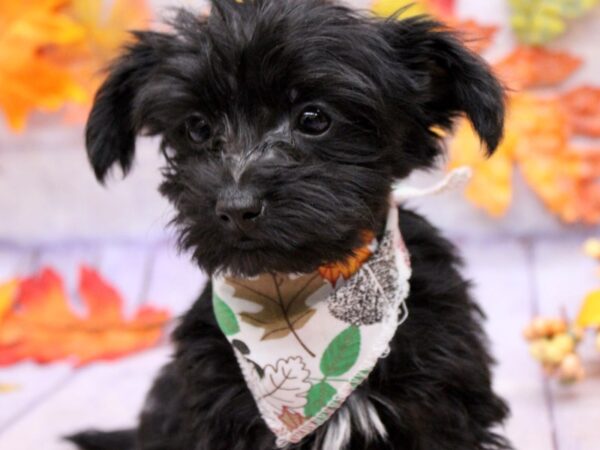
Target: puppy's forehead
265,50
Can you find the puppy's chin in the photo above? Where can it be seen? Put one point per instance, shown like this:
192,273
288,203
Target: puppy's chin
250,258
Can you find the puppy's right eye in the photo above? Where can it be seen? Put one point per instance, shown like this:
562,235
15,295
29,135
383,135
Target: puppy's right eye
198,129
313,121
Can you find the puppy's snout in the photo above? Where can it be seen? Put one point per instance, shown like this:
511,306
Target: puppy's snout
239,209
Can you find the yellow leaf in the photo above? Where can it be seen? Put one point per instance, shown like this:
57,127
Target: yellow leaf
28,78
490,188
106,31
589,315
8,292
386,8
6,388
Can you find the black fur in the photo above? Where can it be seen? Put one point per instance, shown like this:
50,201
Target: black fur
249,69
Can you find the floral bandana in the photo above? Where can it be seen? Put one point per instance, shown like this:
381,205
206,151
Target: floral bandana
304,342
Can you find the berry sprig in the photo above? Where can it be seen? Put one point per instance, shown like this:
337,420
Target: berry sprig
553,342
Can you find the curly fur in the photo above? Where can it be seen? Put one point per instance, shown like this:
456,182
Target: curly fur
249,68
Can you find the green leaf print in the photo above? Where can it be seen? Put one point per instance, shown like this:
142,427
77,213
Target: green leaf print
341,354
225,317
317,398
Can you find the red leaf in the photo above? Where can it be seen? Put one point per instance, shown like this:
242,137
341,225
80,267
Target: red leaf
42,326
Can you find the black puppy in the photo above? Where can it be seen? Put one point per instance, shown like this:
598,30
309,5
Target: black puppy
284,124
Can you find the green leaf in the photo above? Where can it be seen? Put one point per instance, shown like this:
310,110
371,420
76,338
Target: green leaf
341,354
225,317
317,398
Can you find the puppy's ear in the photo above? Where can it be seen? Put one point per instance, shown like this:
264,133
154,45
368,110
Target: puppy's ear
446,80
112,127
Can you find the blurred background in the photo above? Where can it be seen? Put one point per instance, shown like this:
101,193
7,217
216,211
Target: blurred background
522,224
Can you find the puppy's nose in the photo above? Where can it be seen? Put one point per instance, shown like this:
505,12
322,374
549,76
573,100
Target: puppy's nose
239,210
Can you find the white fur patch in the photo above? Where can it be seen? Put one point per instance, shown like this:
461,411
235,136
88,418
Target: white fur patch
357,414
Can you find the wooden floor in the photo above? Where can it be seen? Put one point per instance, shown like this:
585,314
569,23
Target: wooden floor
514,279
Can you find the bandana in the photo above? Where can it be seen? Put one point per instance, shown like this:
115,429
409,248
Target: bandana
304,342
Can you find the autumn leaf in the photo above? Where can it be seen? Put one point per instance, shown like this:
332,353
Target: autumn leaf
291,419
282,298
52,52
348,267
527,67
42,326
105,33
438,8
490,186
582,106
474,35
8,292
29,79
285,384
537,141
589,315
6,388
386,8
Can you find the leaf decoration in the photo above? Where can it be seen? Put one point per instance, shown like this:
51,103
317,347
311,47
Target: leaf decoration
527,67
348,267
361,301
538,22
386,8
285,384
8,292
318,397
589,315
538,141
438,8
225,317
282,298
582,107
52,51
29,79
291,419
105,32
6,388
42,327
474,35
341,354
490,187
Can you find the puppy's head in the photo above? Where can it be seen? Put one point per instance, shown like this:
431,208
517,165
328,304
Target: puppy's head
285,122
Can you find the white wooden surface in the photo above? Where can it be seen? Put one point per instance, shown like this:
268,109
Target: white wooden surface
514,278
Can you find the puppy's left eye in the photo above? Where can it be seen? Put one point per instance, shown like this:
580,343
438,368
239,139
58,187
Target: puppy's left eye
312,120
198,129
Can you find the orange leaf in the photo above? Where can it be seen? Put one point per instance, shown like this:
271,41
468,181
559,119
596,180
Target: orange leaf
474,35
563,176
538,140
291,419
43,327
28,78
332,272
105,32
7,297
535,67
583,108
